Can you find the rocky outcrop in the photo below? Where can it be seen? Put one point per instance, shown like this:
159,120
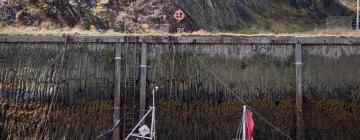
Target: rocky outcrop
156,15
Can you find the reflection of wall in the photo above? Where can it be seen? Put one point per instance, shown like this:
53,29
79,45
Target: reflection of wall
330,72
252,71
191,102
28,72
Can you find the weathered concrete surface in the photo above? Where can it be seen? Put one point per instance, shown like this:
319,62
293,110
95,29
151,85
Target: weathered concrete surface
75,91
330,72
192,103
29,72
29,121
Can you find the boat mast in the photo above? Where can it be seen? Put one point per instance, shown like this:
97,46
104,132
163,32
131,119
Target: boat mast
144,130
244,123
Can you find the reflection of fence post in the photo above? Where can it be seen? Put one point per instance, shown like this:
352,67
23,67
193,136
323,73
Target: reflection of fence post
117,93
299,114
143,68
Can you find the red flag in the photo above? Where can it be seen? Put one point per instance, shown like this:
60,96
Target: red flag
250,125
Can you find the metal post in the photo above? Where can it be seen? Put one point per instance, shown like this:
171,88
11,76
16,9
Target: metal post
299,115
116,132
153,128
357,15
143,78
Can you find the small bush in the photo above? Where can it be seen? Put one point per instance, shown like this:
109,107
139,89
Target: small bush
2,25
92,28
47,24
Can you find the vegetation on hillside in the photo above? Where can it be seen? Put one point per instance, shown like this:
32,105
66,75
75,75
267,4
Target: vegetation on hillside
144,16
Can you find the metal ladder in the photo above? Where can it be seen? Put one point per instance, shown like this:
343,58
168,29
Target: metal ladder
131,74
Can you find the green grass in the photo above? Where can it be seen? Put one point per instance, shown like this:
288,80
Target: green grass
246,32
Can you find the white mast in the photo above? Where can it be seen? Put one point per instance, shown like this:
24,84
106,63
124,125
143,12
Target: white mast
244,123
153,115
144,130
241,132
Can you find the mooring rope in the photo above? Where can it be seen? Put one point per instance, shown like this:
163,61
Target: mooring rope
115,124
53,64
237,96
53,96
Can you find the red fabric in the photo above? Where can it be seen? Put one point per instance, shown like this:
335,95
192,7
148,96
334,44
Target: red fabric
250,125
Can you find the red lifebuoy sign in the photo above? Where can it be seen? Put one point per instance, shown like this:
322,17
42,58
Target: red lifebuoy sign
179,15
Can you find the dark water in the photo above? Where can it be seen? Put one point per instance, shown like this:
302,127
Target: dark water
326,119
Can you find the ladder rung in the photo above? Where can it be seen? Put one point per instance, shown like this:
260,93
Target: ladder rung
129,102
127,129
131,78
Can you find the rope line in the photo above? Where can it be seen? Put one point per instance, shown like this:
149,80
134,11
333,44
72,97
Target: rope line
116,124
53,64
238,97
53,96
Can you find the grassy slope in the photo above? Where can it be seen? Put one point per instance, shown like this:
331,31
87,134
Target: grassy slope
37,32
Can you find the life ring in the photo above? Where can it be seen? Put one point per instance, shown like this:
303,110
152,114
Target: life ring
179,15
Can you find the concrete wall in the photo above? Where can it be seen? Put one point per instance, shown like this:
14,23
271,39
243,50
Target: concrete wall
192,102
